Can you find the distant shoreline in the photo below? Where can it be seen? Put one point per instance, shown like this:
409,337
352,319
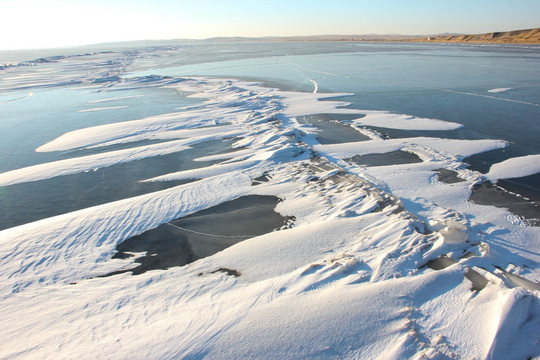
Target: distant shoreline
529,36
524,37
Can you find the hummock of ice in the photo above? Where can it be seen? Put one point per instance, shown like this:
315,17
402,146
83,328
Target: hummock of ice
348,280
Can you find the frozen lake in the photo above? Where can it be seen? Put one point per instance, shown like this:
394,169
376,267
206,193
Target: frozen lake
225,198
492,90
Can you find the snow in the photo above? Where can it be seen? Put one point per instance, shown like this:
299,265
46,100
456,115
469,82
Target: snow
514,168
450,147
347,280
115,99
406,122
454,232
77,245
103,108
129,131
97,161
206,172
497,90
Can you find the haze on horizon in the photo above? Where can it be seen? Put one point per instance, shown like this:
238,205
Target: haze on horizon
28,24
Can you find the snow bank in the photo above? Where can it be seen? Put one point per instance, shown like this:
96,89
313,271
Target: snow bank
129,131
462,148
94,162
202,173
406,122
514,168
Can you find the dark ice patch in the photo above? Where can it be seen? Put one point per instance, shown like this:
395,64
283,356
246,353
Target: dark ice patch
391,158
204,233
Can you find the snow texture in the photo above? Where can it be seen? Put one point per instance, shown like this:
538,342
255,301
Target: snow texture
497,90
399,121
350,278
515,167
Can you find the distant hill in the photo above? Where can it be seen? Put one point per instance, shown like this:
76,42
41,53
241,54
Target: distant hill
368,37
529,36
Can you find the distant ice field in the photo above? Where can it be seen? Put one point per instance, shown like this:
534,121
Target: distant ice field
455,83
397,90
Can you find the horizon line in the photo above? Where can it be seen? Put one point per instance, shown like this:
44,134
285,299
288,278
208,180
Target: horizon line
320,37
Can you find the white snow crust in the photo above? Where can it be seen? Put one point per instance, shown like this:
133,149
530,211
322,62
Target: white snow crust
497,90
347,281
515,167
400,121
97,161
103,108
452,147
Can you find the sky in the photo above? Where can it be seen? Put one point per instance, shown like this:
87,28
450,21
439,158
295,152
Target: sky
26,24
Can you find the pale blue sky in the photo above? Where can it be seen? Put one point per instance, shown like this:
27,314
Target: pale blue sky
53,23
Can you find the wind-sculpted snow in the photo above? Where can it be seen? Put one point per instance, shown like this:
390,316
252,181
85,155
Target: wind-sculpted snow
209,171
352,277
515,167
103,108
165,126
399,121
456,148
89,68
78,245
97,161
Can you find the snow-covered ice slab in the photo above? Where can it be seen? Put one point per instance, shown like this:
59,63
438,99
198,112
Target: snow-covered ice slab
515,167
97,161
449,147
406,122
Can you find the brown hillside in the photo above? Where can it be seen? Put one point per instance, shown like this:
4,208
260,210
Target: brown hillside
529,36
